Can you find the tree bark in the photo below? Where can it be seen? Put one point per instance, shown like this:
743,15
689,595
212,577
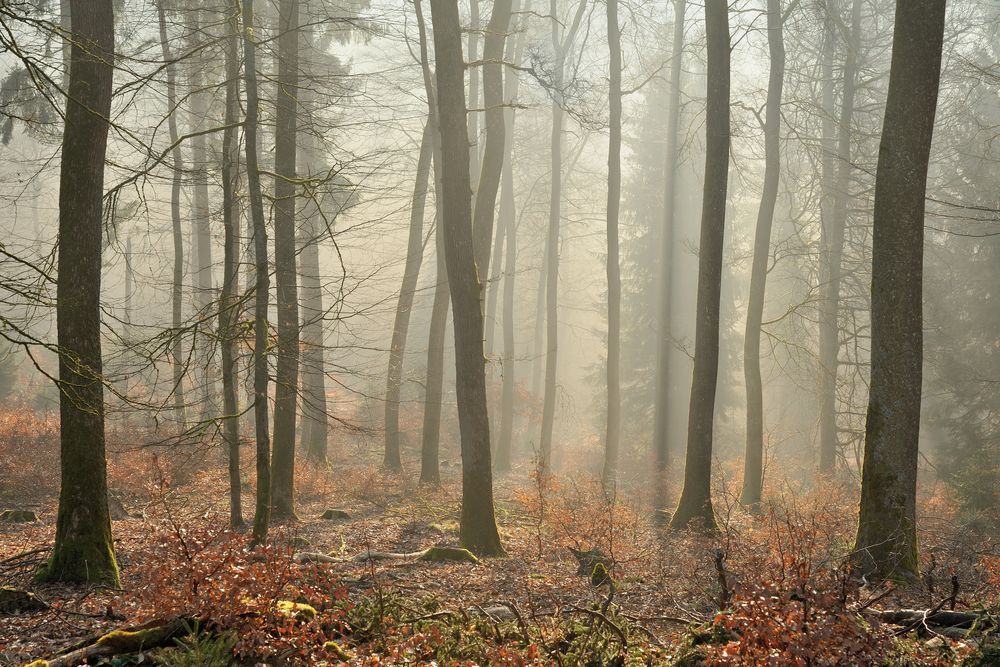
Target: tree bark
886,543
229,306
84,550
478,530
430,472
286,379
560,49
695,505
834,249
665,278
753,470
493,153
404,305
262,512
613,434
315,420
508,222
176,166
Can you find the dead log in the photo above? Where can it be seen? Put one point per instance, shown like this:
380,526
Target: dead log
121,642
935,618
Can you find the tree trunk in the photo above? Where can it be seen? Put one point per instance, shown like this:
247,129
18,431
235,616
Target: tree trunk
176,166
613,434
695,505
312,165
829,332
473,39
404,305
201,267
430,472
262,512
478,530
753,470
508,222
229,306
286,379
887,539
84,550
493,153
665,278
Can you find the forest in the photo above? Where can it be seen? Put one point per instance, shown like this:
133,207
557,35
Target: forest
499,332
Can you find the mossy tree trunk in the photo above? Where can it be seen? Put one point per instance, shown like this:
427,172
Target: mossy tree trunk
478,529
695,505
886,543
84,549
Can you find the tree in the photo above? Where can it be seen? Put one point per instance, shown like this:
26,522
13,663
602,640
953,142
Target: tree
560,48
430,472
404,304
229,304
836,197
753,471
478,529
886,544
84,551
695,504
613,267
661,431
177,291
262,510
286,379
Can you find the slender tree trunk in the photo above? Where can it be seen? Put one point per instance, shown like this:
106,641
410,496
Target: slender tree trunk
84,549
829,315
886,543
493,286
493,153
201,267
695,505
473,40
229,304
177,288
312,165
753,471
665,277
286,379
508,222
430,472
262,512
478,529
404,305
613,434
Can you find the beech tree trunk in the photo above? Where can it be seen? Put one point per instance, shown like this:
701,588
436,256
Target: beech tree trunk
613,433
829,331
404,305
262,512
286,379
478,530
430,472
176,166
886,543
753,469
84,550
665,277
695,505
229,306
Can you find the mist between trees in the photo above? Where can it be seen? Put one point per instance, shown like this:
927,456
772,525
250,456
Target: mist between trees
675,247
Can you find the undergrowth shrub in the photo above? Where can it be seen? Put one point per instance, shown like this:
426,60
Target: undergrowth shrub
277,609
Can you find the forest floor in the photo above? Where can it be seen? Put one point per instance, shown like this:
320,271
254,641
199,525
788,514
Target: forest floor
779,575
